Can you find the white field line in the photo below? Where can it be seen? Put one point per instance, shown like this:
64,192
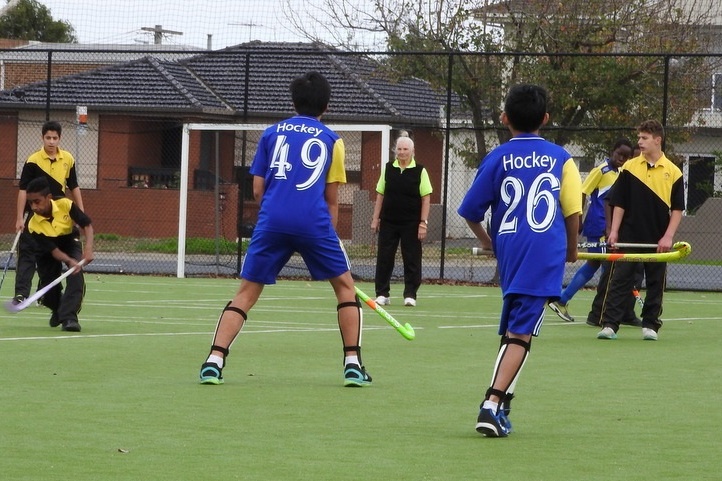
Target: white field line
173,334
570,324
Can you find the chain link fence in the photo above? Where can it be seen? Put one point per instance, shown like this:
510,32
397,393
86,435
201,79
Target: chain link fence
148,179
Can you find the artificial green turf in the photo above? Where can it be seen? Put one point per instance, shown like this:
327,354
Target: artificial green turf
120,401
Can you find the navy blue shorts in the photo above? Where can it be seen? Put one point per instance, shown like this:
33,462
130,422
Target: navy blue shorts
268,252
522,314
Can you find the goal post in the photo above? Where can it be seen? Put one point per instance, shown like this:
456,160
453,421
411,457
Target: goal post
385,131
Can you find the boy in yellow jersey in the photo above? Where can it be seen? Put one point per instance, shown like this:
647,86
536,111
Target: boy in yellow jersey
52,227
648,201
58,167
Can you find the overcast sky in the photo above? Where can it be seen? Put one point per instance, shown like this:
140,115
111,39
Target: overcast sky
230,22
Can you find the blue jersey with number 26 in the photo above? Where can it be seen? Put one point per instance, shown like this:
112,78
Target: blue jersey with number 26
296,158
531,185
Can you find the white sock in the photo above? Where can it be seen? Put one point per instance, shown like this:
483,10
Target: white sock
216,359
491,405
351,360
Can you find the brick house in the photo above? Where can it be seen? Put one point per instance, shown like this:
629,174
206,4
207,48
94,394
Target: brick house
128,153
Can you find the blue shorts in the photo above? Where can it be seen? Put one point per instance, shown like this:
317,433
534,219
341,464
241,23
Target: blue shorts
268,252
522,314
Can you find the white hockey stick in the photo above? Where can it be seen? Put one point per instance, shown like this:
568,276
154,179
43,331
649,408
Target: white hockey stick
19,307
10,256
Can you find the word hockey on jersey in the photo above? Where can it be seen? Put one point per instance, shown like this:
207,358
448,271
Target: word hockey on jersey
302,128
511,161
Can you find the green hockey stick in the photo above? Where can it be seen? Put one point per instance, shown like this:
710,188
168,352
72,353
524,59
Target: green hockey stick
406,330
680,250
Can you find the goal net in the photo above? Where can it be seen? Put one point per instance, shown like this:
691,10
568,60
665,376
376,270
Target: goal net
216,200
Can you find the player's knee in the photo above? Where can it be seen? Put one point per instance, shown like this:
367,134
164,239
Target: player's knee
241,312
342,305
517,342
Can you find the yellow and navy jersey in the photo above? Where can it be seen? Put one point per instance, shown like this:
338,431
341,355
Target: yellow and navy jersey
59,228
596,186
531,185
60,171
647,193
297,158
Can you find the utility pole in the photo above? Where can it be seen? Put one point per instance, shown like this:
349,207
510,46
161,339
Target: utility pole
158,33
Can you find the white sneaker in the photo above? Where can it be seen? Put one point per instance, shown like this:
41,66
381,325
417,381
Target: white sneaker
607,333
383,301
649,334
410,302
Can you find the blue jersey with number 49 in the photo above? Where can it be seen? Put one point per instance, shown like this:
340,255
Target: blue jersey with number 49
531,185
297,158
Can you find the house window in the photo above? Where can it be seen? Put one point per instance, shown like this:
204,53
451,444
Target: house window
700,180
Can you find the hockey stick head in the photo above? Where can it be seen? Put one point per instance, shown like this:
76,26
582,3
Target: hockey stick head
13,307
406,330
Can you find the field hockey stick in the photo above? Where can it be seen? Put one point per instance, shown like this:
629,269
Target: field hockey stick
10,256
19,307
618,245
639,299
680,250
406,330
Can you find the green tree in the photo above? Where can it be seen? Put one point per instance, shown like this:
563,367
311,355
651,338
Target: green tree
30,20
595,97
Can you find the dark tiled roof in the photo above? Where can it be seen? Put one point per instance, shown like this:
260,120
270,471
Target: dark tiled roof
360,92
143,84
215,82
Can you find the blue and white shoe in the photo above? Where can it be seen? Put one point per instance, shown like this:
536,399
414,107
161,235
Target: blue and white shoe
355,376
505,411
505,422
211,373
491,425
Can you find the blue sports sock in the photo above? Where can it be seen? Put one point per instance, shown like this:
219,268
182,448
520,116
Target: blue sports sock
580,279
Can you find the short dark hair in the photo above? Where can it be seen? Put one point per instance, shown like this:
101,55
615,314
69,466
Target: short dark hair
622,141
38,185
310,94
653,127
525,106
54,126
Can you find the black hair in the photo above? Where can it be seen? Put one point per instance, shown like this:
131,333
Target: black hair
525,106
52,125
310,94
622,141
38,185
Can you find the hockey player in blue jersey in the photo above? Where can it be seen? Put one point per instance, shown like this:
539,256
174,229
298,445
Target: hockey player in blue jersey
533,188
596,225
297,169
